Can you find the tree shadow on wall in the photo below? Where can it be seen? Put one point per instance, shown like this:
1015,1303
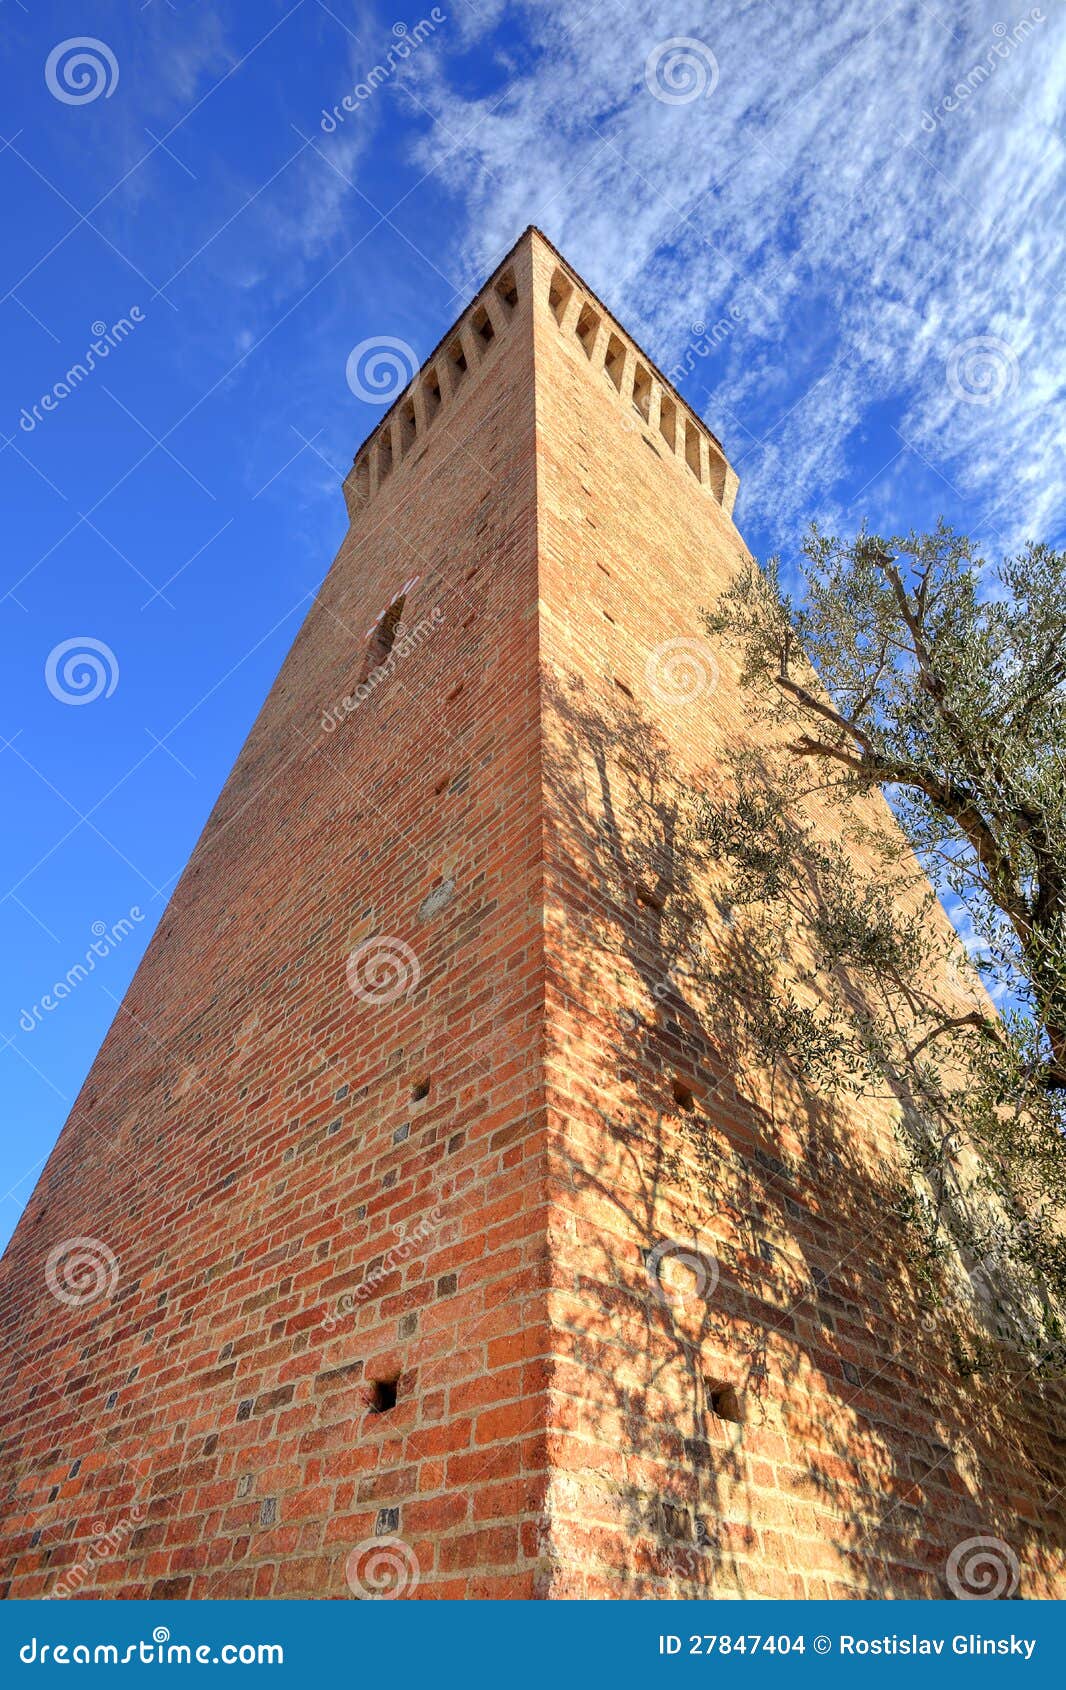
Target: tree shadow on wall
748,1336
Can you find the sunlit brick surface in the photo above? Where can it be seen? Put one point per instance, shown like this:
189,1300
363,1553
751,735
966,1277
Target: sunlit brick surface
407,1097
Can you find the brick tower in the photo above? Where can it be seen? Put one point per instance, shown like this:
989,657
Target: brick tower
408,1230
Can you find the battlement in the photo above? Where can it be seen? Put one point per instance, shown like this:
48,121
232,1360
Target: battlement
649,401
535,273
449,370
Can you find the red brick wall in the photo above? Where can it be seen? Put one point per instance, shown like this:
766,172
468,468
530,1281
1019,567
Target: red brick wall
247,1146
281,1226
863,1459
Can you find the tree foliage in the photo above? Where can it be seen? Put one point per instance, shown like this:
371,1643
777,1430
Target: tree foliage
909,666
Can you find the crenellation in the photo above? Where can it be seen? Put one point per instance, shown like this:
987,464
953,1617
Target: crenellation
440,380
670,420
610,352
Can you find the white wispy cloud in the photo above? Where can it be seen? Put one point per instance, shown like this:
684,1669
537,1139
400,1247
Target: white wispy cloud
864,229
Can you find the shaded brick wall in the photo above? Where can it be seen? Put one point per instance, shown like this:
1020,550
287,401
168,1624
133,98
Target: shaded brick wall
863,1459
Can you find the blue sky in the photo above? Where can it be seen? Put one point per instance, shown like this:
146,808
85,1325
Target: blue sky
878,250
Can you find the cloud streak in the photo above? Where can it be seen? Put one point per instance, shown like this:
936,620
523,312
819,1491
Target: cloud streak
859,248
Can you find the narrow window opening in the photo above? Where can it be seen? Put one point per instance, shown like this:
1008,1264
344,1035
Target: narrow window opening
382,1395
361,481
431,394
615,361
723,1400
458,358
622,687
408,426
454,694
642,391
559,295
649,900
587,324
481,323
506,289
603,566
684,1096
668,420
607,617
442,785
384,637
717,466
692,450
384,456
420,1090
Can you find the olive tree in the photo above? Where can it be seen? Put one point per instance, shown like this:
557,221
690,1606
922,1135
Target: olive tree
908,665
